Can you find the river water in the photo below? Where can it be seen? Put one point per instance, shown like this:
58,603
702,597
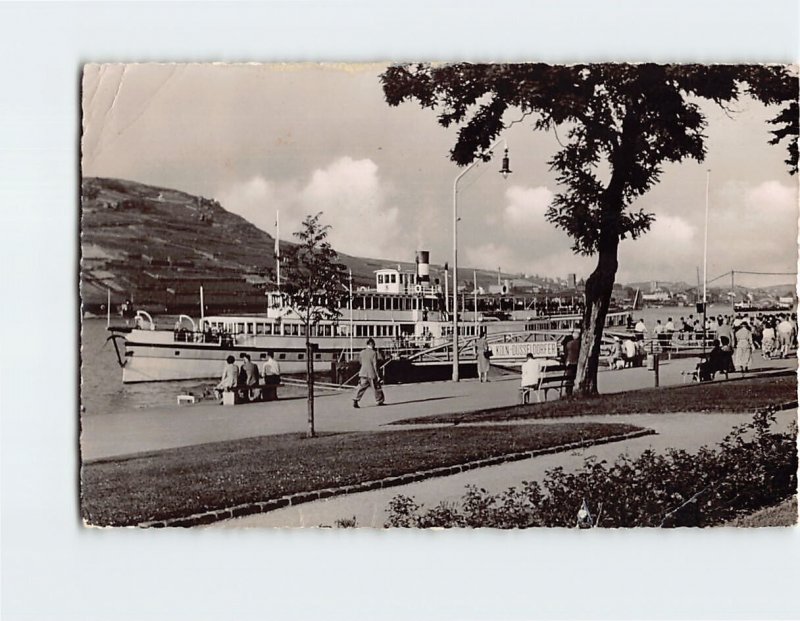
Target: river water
102,390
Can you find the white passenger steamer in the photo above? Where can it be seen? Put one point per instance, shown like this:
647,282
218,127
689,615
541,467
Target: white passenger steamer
405,313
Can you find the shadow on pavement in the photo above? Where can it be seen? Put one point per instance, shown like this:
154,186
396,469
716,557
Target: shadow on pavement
419,400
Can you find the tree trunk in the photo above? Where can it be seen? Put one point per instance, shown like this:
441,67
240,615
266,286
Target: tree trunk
310,383
600,284
599,287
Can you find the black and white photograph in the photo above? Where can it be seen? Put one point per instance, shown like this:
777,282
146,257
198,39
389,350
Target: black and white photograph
438,295
443,310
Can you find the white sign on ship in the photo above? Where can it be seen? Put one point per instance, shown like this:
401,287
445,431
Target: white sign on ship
539,349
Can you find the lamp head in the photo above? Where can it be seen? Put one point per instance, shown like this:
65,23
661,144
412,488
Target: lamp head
505,170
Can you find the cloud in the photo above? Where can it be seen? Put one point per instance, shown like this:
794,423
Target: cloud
770,197
354,200
526,206
527,243
754,227
492,256
256,200
670,243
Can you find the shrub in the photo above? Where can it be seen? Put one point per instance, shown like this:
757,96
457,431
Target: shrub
751,468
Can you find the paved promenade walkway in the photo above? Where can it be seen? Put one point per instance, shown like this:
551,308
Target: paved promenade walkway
125,433
689,431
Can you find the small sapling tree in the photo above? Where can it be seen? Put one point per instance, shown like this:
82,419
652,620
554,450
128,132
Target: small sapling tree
314,280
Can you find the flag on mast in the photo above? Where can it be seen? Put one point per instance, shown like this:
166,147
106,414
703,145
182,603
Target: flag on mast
278,246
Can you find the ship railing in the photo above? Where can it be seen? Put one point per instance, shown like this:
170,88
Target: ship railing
183,335
144,321
679,343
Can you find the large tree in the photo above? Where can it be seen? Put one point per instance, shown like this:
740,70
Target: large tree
618,125
313,284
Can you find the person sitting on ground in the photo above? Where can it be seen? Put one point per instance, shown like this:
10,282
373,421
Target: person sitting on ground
230,377
250,378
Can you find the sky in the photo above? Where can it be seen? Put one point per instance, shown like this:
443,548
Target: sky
309,138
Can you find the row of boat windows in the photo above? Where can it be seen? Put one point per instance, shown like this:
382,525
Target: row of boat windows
377,302
359,330
464,329
297,329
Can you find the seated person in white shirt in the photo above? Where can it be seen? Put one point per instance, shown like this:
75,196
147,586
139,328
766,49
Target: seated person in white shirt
532,370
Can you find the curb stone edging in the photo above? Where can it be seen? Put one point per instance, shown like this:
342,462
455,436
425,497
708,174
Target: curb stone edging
265,506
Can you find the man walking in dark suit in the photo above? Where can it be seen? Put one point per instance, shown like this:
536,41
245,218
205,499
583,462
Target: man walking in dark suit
368,374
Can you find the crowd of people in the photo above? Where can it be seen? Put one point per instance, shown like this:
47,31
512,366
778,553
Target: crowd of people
732,338
762,326
245,379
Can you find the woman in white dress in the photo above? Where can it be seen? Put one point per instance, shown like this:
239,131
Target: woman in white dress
744,348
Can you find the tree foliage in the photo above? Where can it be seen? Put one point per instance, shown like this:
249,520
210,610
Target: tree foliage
314,280
313,276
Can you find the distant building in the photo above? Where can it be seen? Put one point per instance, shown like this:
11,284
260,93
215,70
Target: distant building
659,295
503,288
572,281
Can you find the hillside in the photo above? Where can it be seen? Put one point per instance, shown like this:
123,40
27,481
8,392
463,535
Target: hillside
157,246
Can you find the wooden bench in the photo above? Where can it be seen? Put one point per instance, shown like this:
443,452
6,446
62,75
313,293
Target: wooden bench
269,392
694,374
552,377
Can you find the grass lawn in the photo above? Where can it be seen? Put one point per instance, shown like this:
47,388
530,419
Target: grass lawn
739,395
783,514
189,480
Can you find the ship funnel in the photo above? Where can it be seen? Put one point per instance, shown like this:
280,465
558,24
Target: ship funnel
423,268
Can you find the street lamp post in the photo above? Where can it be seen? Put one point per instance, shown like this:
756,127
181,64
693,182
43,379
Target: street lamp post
705,263
505,171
